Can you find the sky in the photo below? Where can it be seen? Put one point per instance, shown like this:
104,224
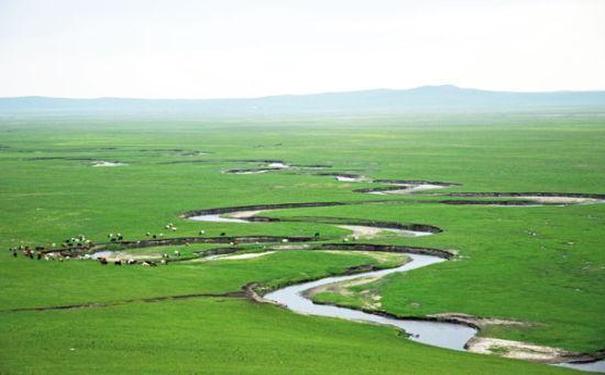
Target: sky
249,48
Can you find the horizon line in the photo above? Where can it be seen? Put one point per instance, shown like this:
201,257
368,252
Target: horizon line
302,94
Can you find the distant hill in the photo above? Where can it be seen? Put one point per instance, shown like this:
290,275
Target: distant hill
444,98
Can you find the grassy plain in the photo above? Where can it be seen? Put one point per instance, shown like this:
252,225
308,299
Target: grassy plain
49,191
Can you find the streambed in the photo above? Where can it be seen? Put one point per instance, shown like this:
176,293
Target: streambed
441,334
454,336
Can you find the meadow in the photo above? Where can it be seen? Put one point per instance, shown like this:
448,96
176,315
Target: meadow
541,265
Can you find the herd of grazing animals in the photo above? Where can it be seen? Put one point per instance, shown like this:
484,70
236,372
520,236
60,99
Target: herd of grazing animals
83,244
80,247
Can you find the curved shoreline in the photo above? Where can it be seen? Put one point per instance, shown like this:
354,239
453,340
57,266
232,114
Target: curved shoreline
247,214
525,199
521,194
444,330
437,333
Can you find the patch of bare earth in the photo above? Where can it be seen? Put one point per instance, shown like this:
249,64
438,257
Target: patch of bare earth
380,256
242,214
510,348
478,321
560,200
361,231
519,350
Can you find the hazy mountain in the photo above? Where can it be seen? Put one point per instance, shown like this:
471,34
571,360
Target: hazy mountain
426,98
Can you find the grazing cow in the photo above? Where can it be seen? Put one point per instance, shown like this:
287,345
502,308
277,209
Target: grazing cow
103,261
117,262
316,235
132,261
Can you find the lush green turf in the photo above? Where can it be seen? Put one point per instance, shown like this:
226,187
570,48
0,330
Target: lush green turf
220,336
554,279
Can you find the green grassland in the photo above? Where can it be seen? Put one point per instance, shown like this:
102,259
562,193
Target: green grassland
49,191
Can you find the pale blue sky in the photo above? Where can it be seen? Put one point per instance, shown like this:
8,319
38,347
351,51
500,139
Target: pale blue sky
235,48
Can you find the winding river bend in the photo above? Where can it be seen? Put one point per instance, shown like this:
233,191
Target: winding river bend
441,334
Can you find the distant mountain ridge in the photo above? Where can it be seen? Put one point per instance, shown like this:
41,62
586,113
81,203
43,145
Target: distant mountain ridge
420,99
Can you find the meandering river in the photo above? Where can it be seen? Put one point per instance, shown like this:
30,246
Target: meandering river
445,335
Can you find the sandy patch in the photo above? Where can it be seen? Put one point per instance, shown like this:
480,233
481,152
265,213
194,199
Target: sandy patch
278,165
518,350
380,256
251,172
560,199
478,321
423,187
414,188
103,163
350,178
243,214
361,231
214,218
